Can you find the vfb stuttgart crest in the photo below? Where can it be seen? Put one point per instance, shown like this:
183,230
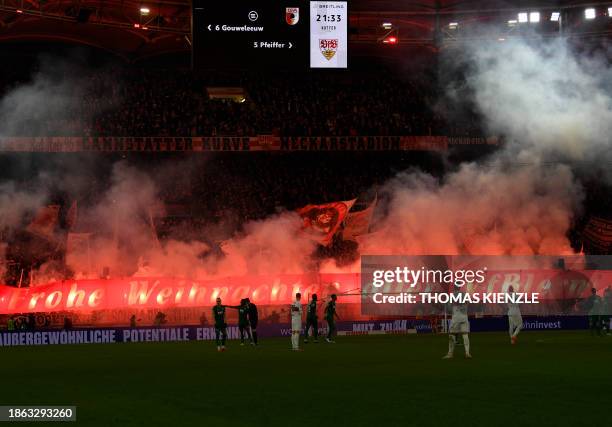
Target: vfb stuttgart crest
328,47
292,15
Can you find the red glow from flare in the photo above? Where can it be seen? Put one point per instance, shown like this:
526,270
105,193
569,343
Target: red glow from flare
390,40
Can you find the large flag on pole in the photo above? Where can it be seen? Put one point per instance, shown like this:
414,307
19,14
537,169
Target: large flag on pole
44,222
72,215
358,223
321,222
154,229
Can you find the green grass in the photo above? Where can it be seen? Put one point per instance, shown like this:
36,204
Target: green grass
549,378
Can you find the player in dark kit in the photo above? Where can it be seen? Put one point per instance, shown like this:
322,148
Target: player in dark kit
253,319
331,316
312,320
243,320
594,305
220,325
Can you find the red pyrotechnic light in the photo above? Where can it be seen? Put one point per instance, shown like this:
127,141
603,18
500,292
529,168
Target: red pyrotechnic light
390,40
19,11
136,25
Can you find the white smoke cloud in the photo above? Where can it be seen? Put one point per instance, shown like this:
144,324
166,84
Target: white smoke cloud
553,107
18,203
126,243
271,246
51,102
543,96
478,210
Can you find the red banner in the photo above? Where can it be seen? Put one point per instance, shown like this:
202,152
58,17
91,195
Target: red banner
162,293
167,293
68,144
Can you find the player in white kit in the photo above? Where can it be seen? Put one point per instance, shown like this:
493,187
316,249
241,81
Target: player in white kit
296,322
459,324
515,320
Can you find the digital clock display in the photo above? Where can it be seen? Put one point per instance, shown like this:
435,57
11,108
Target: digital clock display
329,18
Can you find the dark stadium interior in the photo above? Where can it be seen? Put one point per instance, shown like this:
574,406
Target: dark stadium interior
155,171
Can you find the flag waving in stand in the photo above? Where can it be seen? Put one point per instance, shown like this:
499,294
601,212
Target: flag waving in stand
358,223
321,222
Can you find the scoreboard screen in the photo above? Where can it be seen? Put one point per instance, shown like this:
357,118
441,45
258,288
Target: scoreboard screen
328,34
279,34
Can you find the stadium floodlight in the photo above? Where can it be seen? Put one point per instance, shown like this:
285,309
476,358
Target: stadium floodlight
512,22
610,12
453,25
555,16
534,17
523,17
387,25
589,13
144,11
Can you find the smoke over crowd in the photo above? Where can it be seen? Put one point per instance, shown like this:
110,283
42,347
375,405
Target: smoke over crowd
551,106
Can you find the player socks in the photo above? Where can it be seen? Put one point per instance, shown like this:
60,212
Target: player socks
295,341
466,343
451,344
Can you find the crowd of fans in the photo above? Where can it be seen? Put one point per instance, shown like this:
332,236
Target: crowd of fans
133,101
253,187
207,195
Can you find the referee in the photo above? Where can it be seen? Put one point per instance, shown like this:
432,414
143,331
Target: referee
253,318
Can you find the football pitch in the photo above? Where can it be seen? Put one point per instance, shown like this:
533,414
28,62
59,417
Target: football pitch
549,378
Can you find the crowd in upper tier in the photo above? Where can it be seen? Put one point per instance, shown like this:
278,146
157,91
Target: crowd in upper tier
135,101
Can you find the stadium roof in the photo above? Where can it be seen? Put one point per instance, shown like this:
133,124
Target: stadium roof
118,26
113,25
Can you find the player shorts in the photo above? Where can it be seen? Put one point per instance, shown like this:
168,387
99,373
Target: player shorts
296,324
459,327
